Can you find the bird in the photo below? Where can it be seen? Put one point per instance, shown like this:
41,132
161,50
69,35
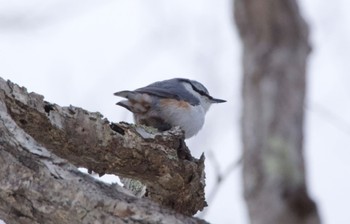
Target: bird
166,104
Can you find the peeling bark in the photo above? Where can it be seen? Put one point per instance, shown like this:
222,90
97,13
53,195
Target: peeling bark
275,50
41,144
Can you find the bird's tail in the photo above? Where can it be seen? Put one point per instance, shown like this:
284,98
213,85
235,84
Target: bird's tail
125,93
125,104
136,102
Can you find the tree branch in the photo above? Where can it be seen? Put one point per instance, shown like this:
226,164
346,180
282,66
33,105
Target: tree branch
36,184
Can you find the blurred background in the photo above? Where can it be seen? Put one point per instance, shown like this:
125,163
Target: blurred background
81,52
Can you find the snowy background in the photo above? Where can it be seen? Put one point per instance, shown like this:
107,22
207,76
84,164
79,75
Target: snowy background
81,52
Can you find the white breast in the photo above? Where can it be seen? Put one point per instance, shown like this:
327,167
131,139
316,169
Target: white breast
189,119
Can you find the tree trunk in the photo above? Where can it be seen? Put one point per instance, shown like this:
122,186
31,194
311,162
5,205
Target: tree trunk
275,50
40,141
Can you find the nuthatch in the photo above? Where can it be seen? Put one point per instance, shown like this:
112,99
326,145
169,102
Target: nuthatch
166,104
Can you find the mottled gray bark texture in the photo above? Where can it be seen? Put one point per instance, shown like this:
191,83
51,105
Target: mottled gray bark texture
275,51
41,144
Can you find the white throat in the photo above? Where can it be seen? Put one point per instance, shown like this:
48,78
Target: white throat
204,101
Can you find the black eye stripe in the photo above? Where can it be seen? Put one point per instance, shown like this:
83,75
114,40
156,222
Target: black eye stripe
198,90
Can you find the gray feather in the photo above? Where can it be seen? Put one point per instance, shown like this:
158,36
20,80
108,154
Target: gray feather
171,88
124,93
125,104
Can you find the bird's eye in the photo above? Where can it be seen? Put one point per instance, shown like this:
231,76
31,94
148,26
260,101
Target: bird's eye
199,88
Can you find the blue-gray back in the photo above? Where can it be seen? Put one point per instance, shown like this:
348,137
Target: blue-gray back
172,88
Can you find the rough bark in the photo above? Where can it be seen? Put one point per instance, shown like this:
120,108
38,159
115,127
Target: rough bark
275,50
41,144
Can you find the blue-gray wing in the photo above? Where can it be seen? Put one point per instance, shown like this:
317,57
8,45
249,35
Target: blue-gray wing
172,89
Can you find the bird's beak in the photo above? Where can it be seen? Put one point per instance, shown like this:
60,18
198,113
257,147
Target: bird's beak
213,100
